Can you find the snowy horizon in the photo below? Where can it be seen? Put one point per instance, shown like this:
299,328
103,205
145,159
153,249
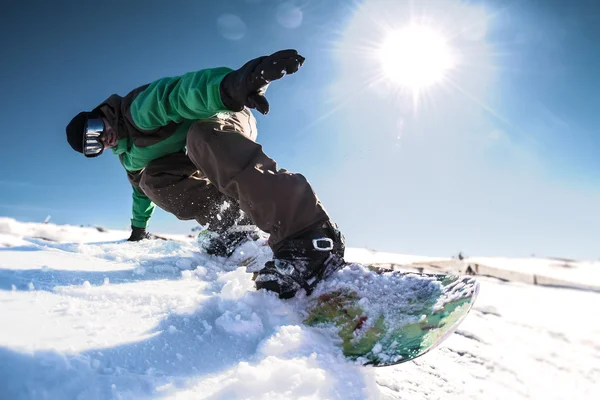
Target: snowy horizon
180,235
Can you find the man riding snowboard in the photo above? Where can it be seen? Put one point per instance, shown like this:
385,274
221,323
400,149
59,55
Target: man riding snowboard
188,146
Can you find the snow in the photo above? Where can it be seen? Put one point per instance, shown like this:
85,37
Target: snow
87,315
556,271
380,294
364,256
534,270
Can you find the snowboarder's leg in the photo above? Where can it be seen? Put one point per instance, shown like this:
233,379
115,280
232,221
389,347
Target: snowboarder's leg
279,202
307,247
174,184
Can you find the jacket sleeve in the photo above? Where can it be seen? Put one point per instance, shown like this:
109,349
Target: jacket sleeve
192,96
142,209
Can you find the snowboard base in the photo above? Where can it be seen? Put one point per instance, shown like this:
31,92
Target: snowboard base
389,318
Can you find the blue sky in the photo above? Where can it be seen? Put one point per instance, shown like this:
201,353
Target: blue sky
501,159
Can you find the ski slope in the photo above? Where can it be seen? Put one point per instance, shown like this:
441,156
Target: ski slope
87,315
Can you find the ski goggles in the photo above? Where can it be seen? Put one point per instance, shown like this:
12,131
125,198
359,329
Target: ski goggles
92,133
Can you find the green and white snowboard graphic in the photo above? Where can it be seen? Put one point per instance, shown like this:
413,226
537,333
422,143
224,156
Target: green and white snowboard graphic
389,318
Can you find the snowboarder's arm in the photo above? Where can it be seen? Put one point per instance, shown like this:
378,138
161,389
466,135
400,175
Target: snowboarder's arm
192,96
142,209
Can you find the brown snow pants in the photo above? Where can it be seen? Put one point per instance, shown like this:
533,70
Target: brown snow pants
224,164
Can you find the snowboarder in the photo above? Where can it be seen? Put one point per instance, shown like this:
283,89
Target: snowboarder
188,146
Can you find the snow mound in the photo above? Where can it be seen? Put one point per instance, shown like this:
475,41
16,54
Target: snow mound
57,233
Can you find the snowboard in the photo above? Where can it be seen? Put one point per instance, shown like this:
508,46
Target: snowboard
386,318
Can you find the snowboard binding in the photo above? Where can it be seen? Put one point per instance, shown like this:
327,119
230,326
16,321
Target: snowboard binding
303,262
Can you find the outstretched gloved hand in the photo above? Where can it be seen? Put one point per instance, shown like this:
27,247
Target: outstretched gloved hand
247,85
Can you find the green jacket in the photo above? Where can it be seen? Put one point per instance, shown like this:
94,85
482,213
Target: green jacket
152,121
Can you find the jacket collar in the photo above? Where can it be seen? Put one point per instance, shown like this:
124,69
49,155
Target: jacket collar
111,109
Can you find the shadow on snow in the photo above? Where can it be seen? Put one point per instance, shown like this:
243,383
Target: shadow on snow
182,348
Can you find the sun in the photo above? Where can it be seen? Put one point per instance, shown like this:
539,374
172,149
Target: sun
416,57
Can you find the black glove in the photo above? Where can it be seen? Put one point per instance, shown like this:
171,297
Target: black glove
138,234
247,85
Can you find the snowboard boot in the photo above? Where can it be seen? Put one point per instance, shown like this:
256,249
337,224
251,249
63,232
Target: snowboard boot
224,244
303,261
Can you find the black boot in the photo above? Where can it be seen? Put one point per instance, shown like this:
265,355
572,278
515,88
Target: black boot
303,261
223,244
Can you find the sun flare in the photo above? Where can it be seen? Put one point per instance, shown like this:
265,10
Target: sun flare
416,57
